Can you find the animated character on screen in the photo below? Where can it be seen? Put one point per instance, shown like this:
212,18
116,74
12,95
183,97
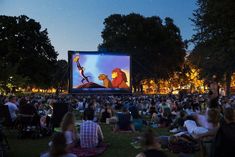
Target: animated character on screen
81,69
119,78
106,82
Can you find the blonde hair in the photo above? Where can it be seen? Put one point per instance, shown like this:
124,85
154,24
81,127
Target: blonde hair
67,120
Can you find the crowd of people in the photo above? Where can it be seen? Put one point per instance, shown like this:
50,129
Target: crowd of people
192,115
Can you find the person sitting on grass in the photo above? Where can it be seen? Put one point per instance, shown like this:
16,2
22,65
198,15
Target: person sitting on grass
58,147
152,108
69,130
138,122
154,119
178,124
165,120
106,113
124,121
90,109
151,146
12,107
90,132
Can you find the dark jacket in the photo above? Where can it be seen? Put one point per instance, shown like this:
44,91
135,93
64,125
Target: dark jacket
224,144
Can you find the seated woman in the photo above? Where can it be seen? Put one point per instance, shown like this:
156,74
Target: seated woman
45,116
154,119
124,121
69,130
58,147
151,146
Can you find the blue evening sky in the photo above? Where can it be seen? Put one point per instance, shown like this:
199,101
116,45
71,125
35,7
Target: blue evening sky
77,24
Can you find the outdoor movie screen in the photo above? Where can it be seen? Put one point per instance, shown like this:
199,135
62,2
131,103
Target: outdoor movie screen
97,72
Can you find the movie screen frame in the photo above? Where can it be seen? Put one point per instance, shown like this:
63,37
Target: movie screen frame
96,90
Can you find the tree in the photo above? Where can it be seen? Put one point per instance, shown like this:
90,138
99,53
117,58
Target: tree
156,49
214,51
26,48
60,78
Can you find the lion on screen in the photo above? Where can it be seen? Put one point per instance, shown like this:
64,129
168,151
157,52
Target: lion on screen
119,78
106,82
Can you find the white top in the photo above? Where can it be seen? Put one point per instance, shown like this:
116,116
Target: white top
66,155
12,109
192,127
70,137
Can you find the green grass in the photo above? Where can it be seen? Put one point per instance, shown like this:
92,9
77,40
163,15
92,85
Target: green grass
119,144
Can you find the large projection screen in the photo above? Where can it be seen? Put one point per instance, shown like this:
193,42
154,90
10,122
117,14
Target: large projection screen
99,72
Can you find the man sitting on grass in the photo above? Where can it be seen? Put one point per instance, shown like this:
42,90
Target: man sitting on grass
90,132
124,121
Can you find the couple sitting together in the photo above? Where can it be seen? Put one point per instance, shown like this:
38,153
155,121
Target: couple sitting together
90,132
90,135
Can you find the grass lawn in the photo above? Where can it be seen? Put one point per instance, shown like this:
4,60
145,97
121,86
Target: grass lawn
119,144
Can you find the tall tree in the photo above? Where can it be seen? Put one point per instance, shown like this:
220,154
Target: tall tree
214,52
60,77
157,49
27,48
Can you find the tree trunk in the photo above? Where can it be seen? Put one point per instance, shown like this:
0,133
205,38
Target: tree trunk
138,88
158,87
134,87
141,88
228,83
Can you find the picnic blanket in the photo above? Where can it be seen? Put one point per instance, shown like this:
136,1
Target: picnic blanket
90,152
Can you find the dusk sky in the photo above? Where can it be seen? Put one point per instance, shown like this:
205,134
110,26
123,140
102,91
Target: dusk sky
77,24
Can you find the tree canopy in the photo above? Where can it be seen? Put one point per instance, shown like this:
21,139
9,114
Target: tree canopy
214,51
60,78
155,45
26,51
